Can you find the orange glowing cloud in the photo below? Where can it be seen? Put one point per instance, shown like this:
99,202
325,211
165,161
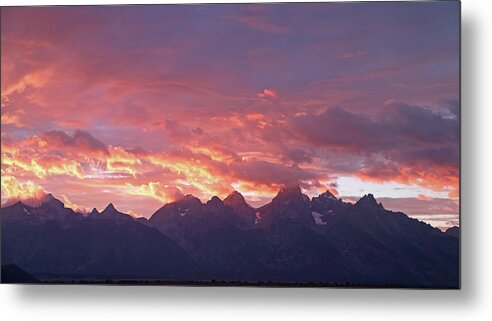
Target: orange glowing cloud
42,166
11,119
259,119
34,79
203,171
28,192
216,153
69,204
197,168
120,160
52,165
156,190
252,190
436,178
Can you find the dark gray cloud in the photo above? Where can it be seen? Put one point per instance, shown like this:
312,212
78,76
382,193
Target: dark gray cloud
297,156
269,173
80,139
398,132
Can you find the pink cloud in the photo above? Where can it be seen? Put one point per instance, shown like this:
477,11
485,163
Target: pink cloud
354,54
267,93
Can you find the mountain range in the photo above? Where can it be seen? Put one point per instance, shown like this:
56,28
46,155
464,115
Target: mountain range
291,240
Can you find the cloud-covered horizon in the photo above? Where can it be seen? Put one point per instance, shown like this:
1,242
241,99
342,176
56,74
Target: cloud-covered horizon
144,104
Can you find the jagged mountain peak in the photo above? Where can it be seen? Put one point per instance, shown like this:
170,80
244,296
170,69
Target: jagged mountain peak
235,199
453,231
110,212
287,193
368,200
189,198
326,203
327,195
215,201
49,209
234,196
17,204
49,197
291,238
180,208
94,212
238,204
109,209
16,209
50,200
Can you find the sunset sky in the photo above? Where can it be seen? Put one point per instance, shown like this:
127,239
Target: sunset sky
139,105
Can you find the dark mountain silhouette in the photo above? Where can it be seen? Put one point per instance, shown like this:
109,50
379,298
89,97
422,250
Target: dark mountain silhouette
110,213
324,206
391,247
238,204
12,273
50,209
106,245
453,231
289,205
212,234
324,239
292,239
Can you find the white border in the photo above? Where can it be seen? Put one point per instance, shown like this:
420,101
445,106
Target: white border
473,302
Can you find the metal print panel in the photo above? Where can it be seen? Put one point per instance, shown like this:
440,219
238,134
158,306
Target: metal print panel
303,144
